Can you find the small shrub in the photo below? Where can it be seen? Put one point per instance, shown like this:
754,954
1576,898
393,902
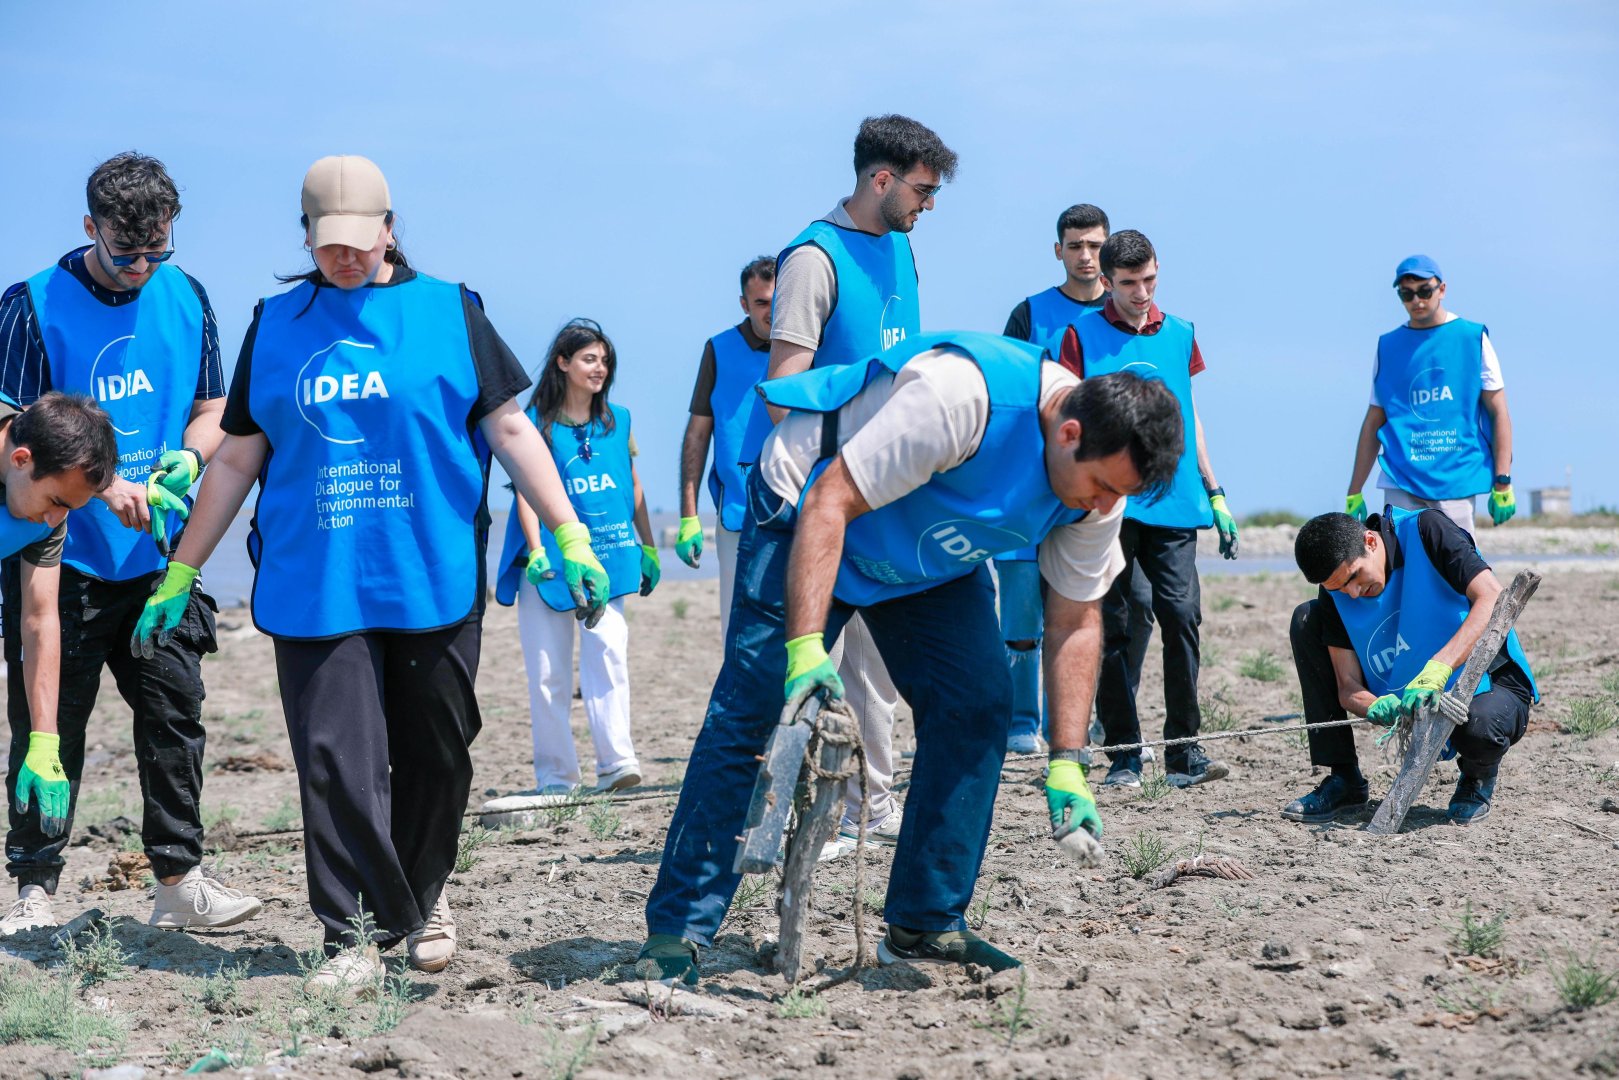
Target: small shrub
1225,602
99,959
284,817
602,820
753,891
466,850
1012,1013
1143,854
1470,997
1583,985
1590,717
1155,785
797,1005
1610,684
221,992
1262,666
559,814
1218,715
978,910
680,606
1474,936
45,1009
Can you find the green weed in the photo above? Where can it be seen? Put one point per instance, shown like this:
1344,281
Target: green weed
797,1005
978,910
1218,715
1590,717
1155,785
1474,936
1470,997
104,804
1610,684
1012,1013
565,1059
45,1009
1143,854
285,817
466,849
602,820
221,992
1262,666
680,606
1225,602
97,960
753,891
1582,984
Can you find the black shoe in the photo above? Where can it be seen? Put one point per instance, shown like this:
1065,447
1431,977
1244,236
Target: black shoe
1471,801
1125,772
667,956
941,947
1193,767
1331,797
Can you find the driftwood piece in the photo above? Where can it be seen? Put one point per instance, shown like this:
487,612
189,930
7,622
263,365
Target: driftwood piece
1215,866
779,772
817,818
1432,726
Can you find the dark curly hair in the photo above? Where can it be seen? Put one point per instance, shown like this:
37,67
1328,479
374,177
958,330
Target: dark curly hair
132,198
900,143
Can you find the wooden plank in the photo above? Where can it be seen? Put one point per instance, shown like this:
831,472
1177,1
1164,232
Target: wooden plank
779,775
1433,725
816,823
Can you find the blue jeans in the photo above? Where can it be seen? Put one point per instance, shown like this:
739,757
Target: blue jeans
1023,619
937,645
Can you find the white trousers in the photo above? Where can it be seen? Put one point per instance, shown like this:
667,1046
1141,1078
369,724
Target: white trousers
873,697
725,542
604,683
1458,510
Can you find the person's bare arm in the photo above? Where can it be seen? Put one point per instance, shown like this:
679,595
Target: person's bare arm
1205,466
1073,656
787,359
833,501
1366,447
203,433
529,522
1481,594
231,475
693,456
1352,692
1495,403
517,443
643,520
41,643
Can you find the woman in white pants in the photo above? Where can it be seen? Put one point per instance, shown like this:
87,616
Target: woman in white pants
594,451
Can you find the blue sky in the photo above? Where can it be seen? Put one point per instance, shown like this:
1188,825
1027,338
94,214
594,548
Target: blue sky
623,160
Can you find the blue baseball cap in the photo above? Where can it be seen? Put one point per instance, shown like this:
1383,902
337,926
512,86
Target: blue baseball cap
1417,266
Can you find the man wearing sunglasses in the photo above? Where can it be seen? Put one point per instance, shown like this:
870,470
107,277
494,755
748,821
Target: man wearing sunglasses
117,321
846,289
1438,413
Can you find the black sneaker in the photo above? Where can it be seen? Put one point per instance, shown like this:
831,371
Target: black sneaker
1194,767
1331,797
1125,772
902,946
666,956
1471,801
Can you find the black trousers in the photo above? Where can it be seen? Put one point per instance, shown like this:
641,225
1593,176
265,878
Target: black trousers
165,694
381,727
1167,559
1495,721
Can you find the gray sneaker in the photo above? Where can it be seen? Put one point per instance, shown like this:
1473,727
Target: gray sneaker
1125,773
200,902
31,911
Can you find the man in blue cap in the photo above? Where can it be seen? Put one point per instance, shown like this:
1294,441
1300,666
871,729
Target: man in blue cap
1438,413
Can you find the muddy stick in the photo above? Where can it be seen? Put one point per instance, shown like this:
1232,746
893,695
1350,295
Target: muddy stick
1432,725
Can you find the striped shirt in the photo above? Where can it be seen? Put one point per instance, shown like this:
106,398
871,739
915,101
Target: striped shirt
25,370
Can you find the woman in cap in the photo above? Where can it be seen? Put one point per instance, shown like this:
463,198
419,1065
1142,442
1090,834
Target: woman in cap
594,451
366,402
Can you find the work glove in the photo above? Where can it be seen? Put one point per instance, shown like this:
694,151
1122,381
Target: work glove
176,471
1385,711
1355,506
42,780
166,507
538,568
1069,798
1421,690
809,670
651,569
586,578
163,611
1225,525
1503,504
689,543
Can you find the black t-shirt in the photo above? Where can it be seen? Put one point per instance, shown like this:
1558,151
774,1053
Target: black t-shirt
500,376
703,389
1018,323
1449,549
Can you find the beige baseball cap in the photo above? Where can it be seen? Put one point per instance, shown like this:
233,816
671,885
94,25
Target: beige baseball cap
346,200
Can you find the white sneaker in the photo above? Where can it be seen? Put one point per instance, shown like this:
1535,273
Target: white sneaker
432,946
356,972
200,901
625,776
884,833
31,911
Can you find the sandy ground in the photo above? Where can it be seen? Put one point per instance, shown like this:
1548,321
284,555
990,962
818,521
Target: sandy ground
1337,959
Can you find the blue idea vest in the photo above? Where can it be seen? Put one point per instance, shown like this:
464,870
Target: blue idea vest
737,370
1163,356
1396,632
16,533
371,497
997,501
1437,439
139,361
602,491
875,308
1051,313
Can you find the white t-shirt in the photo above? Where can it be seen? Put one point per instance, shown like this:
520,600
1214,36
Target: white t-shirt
929,418
1489,376
806,290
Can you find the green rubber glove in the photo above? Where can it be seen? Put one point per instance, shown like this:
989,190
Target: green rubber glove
1069,798
1421,690
1503,504
587,580
1385,711
809,670
1355,506
163,503
538,568
164,610
651,569
176,471
1225,525
689,543
42,780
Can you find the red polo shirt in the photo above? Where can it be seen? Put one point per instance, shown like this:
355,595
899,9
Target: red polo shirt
1073,356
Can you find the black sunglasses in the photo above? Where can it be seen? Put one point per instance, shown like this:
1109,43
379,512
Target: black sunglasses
1422,292
129,260
581,434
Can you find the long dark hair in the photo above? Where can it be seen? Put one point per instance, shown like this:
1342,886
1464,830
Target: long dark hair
551,387
395,255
